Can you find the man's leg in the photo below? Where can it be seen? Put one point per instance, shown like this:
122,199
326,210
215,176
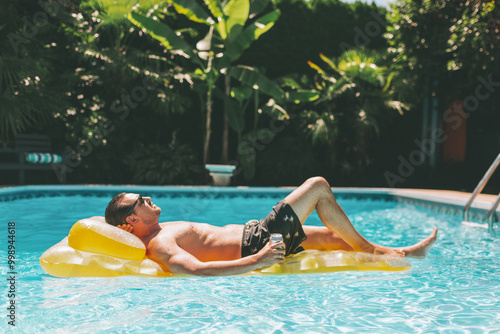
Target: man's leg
323,239
316,194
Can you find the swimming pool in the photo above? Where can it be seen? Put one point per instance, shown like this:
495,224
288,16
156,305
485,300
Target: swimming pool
456,289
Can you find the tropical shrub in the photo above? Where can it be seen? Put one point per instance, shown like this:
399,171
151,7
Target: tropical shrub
158,164
356,103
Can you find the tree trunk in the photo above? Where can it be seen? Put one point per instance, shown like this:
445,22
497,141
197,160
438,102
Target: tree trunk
208,130
225,134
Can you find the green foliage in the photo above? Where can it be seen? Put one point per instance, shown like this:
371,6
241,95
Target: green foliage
252,78
287,160
117,84
355,103
89,77
30,93
444,50
228,27
250,85
307,28
355,88
115,12
159,164
163,33
230,34
246,37
436,38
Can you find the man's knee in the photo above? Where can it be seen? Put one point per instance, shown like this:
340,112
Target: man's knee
319,183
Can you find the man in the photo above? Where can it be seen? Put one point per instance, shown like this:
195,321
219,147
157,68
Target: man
202,249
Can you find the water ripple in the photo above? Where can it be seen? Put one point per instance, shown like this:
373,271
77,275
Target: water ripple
455,290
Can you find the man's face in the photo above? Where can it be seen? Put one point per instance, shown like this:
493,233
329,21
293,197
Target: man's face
141,206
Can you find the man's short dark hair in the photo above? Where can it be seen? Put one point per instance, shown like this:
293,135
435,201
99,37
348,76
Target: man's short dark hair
116,212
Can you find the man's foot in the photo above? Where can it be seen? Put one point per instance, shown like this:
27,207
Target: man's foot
381,250
420,249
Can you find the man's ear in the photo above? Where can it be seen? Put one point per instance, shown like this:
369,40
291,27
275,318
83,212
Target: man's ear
131,220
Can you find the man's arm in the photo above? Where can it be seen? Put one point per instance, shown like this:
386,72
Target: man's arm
178,261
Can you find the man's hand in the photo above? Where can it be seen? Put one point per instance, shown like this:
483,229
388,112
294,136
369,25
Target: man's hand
271,254
126,227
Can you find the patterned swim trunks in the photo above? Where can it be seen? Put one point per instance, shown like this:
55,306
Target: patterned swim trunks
282,219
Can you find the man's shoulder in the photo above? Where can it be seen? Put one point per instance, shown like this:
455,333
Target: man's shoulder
161,242
169,239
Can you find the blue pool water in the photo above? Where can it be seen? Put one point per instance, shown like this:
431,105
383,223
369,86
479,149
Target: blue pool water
456,289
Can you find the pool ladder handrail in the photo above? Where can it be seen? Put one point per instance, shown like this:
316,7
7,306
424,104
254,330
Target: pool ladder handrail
492,211
479,188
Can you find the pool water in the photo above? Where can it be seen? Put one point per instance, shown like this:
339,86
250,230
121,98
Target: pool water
456,289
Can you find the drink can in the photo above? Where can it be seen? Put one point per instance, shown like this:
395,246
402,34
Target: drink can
276,237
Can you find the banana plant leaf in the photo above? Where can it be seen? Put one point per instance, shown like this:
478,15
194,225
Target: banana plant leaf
242,93
215,8
249,76
192,11
162,33
298,96
237,14
234,114
257,6
251,33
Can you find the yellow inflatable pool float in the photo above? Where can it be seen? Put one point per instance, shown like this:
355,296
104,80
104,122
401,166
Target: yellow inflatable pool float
94,248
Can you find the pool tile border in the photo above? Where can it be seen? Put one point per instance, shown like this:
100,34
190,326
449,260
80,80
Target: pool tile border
441,204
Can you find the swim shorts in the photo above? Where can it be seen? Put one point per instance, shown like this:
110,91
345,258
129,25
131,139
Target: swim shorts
282,219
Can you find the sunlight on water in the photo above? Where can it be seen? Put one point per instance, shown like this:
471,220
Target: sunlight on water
456,289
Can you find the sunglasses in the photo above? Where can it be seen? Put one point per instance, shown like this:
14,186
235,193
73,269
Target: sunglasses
139,198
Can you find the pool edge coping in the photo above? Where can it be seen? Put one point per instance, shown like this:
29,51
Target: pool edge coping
451,204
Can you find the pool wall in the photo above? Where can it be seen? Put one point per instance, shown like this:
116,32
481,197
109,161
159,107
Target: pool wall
444,204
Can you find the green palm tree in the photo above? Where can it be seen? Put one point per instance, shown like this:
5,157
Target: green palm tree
356,102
